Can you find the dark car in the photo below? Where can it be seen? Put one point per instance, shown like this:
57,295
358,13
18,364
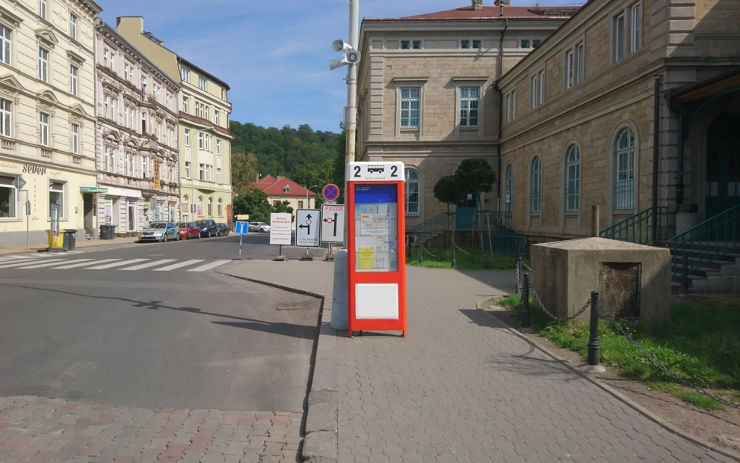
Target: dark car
223,229
189,230
207,228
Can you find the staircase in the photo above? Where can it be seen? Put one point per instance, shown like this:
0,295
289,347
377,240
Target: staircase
706,257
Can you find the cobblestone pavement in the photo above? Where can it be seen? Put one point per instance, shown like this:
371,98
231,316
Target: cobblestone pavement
37,429
462,387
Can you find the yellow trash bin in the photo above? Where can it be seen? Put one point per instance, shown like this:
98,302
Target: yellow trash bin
55,242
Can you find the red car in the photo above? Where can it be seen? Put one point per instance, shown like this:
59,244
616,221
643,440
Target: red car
189,230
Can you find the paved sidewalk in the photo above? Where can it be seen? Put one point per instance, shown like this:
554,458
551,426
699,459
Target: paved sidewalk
79,243
460,387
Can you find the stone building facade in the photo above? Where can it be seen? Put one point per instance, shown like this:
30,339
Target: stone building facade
47,117
426,93
136,137
630,105
203,127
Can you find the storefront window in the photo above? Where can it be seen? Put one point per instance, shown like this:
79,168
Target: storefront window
8,195
56,196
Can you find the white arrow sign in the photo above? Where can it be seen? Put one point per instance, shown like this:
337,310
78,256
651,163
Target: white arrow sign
307,228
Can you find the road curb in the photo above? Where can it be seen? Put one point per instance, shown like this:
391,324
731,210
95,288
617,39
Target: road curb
618,395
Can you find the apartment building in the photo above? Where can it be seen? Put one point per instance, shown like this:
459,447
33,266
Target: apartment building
203,126
136,138
47,118
426,93
630,106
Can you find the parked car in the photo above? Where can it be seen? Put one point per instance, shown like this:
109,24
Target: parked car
259,226
159,231
207,228
223,229
189,230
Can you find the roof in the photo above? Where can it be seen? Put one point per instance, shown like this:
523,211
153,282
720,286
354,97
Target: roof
469,13
206,123
200,70
277,187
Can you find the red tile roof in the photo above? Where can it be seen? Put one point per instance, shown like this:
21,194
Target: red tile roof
492,13
276,187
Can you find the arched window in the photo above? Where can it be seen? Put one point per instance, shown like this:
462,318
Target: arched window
210,207
624,168
509,194
412,191
572,179
220,207
535,203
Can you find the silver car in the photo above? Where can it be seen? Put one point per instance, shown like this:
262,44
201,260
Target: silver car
159,231
259,226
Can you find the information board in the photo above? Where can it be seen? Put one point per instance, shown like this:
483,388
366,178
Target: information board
376,236
241,228
332,223
307,228
280,230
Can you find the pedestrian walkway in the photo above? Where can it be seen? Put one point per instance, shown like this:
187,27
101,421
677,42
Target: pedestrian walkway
461,387
73,260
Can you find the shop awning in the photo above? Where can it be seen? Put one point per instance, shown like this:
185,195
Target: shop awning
93,189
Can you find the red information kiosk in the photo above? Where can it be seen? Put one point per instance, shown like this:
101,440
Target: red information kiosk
376,256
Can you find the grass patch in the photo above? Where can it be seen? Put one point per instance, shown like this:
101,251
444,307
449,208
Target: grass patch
700,346
467,259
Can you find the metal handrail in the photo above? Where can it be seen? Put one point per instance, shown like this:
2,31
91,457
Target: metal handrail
711,240
645,227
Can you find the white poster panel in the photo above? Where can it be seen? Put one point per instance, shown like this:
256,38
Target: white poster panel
280,231
332,223
307,226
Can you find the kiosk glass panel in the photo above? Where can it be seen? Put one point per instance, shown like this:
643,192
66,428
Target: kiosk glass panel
376,228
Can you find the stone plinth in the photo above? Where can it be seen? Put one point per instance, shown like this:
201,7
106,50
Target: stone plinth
632,280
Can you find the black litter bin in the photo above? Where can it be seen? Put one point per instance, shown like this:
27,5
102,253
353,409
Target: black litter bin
70,239
107,232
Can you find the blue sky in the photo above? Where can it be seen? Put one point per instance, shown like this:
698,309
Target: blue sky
274,54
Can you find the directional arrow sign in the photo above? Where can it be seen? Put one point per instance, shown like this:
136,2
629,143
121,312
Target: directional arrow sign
307,229
332,223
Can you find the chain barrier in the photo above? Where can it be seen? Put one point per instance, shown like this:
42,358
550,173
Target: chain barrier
426,250
461,249
662,367
621,330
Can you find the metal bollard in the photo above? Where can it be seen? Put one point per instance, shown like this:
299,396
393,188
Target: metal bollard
685,274
594,349
421,251
518,273
526,316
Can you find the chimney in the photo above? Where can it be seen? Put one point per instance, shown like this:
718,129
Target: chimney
477,4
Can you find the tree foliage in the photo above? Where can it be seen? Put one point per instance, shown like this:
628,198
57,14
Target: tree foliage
475,175
447,190
254,203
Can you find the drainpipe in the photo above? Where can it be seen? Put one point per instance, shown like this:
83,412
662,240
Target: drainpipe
499,72
656,139
500,63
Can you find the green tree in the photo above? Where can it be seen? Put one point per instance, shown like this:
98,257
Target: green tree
282,206
447,190
253,202
476,176
243,171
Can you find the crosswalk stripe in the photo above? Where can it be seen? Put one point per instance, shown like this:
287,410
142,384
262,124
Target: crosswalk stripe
102,266
148,264
116,264
77,263
18,264
37,265
178,265
203,268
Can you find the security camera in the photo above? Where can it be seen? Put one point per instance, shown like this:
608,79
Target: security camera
341,45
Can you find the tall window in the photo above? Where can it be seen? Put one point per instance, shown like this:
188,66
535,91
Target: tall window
537,89
187,169
74,138
535,195
510,106
469,99
218,147
5,117
43,64
618,44
73,26
635,27
187,137
218,175
56,196
201,137
215,116
44,129
572,179
144,167
412,191
509,186
574,65
202,86
579,62
624,159
8,198
73,79
184,104
220,207
410,99
43,9
210,207
185,74
4,44
201,172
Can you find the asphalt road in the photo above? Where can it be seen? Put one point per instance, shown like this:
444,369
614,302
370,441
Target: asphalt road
175,334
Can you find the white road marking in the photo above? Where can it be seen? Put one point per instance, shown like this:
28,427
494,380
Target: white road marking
178,265
80,263
44,264
116,264
213,264
148,264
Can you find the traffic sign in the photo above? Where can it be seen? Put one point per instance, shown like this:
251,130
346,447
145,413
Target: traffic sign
332,223
280,231
242,228
307,228
19,183
330,192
